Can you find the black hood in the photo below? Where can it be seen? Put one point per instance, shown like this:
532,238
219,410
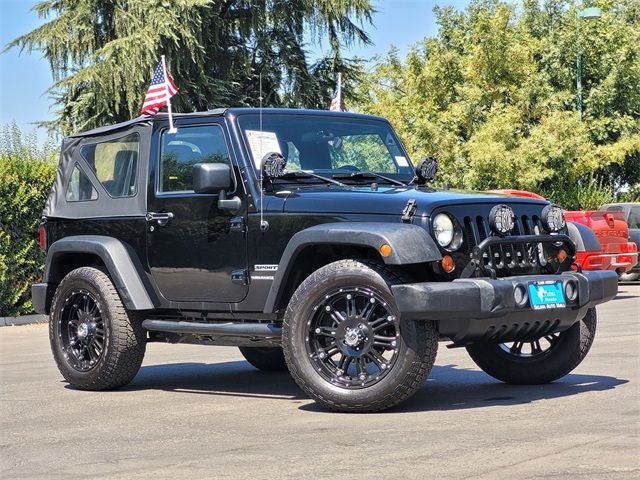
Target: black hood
388,201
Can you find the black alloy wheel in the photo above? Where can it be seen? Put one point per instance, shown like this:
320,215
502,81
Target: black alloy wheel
353,337
82,330
531,348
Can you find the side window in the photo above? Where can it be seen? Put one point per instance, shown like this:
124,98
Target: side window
79,188
181,151
115,163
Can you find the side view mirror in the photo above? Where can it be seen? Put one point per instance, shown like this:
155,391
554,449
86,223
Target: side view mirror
211,177
215,178
426,169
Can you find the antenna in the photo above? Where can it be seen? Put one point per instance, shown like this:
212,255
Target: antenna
264,225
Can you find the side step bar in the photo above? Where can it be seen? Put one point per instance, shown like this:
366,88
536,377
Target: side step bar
235,329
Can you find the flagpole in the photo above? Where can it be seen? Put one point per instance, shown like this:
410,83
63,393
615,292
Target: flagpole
172,129
340,91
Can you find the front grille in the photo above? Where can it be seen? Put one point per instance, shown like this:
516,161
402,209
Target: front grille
507,259
476,229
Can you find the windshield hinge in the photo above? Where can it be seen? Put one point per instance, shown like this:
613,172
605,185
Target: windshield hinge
409,210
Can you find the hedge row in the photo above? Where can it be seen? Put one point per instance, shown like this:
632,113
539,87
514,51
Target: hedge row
26,175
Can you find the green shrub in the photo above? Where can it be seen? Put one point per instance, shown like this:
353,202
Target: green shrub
26,175
585,194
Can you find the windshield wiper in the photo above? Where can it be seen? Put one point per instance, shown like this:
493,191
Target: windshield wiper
368,175
300,174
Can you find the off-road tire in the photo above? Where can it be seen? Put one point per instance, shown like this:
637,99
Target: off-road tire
416,352
572,347
267,359
125,339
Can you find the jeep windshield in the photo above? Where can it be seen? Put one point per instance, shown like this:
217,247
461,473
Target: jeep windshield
348,149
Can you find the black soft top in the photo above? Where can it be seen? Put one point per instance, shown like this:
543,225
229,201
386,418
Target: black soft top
57,205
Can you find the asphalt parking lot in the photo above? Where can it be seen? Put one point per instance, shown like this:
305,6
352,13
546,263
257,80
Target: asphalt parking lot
202,412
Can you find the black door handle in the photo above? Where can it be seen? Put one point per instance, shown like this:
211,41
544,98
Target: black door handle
160,218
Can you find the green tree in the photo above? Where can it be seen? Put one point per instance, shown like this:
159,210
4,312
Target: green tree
493,96
102,53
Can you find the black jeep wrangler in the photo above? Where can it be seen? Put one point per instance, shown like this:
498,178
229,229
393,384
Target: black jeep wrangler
309,240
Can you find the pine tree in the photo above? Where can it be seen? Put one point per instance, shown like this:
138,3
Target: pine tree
102,53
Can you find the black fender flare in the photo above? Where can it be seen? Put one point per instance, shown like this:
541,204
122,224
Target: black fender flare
121,262
583,237
409,244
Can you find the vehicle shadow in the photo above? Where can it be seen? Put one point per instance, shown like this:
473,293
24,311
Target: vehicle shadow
449,387
234,378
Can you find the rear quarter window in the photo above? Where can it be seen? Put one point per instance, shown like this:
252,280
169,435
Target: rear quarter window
115,164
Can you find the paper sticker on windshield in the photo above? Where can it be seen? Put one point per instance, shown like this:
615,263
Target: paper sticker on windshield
402,161
262,143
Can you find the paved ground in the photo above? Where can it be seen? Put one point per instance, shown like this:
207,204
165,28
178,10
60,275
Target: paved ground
196,412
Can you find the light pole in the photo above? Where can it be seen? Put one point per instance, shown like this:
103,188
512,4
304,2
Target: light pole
591,13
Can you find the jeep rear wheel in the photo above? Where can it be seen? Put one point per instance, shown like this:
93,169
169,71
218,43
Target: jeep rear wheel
345,344
96,343
267,359
540,360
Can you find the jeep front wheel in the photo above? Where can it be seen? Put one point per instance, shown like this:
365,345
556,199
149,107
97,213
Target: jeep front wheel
345,344
96,343
540,360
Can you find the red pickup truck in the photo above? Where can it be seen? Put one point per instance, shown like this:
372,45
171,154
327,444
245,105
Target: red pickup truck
612,230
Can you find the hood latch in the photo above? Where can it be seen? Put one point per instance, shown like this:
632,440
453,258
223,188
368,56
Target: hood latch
409,210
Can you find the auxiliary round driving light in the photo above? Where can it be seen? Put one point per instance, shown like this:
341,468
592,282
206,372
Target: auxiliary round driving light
501,219
273,164
553,218
571,291
520,295
426,169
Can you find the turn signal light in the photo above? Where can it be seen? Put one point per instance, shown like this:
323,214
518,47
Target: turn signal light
562,255
385,250
448,265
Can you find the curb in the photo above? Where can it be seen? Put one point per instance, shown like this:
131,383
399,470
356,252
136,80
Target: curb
23,320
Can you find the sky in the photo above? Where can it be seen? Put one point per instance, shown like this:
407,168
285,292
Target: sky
25,77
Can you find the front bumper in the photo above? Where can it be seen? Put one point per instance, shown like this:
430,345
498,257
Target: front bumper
484,309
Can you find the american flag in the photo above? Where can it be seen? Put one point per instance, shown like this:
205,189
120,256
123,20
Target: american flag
336,102
160,91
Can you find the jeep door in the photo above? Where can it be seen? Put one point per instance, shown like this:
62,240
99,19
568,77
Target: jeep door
192,248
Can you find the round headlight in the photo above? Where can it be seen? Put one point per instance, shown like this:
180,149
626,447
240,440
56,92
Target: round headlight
443,229
553,218
501,219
